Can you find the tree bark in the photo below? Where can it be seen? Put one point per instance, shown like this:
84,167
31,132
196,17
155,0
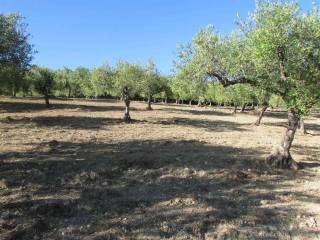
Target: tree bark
126,98
149,103
282,158
69,92
263,110
46,98
190,102
166,100
302,126
235,109
243,107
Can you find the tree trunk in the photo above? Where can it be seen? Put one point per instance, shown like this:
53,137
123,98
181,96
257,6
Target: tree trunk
302,126
14,92
263,110
281,158
149,103
210,103
235,109
69,92
126,98
181,101
176,101
252,106
190,102
166,100
46,98
243,107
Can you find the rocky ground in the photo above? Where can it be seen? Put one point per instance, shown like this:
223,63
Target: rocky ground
75,171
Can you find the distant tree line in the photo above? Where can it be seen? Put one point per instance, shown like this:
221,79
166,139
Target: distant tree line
19,77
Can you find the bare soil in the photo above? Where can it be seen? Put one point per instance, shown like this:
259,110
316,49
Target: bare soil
76,171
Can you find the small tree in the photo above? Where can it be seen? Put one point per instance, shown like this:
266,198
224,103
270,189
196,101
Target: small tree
127,77
82,77
262,97
150,84
102,80
15,52
43,82
64,82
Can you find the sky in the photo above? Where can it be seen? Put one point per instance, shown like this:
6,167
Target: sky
90,33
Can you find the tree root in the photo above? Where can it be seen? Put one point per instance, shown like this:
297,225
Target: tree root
279,160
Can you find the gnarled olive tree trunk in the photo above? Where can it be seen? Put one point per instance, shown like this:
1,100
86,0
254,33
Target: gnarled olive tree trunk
243,107
46,94
235,109
281,158
263,110
46,98
149,103
126,99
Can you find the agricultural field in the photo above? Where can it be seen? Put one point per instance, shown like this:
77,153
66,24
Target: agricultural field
77,171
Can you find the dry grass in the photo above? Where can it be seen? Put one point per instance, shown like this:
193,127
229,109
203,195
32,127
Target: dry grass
76,171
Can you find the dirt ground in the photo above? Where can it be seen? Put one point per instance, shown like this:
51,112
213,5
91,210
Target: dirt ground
76,171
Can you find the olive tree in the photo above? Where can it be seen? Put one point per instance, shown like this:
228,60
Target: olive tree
43,81
102,80
285,44
127,77
262,97
149,84
15,52
82,76
278,47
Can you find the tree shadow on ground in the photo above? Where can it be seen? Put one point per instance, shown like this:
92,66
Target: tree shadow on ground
15,107
283,124
143,189
65,122
313,127
200,111
81,122
216,125
276,114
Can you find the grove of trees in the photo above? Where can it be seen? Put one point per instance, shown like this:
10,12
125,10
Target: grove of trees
276,50
271,60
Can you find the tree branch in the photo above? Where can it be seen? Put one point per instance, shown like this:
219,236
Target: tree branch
228,82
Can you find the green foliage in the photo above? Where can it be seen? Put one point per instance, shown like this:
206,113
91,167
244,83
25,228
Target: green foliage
277,50
43,80
128,75
188,84
102,80
276,102
81,76
262,96
284,45
65,84
240,94
150,83
15,52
